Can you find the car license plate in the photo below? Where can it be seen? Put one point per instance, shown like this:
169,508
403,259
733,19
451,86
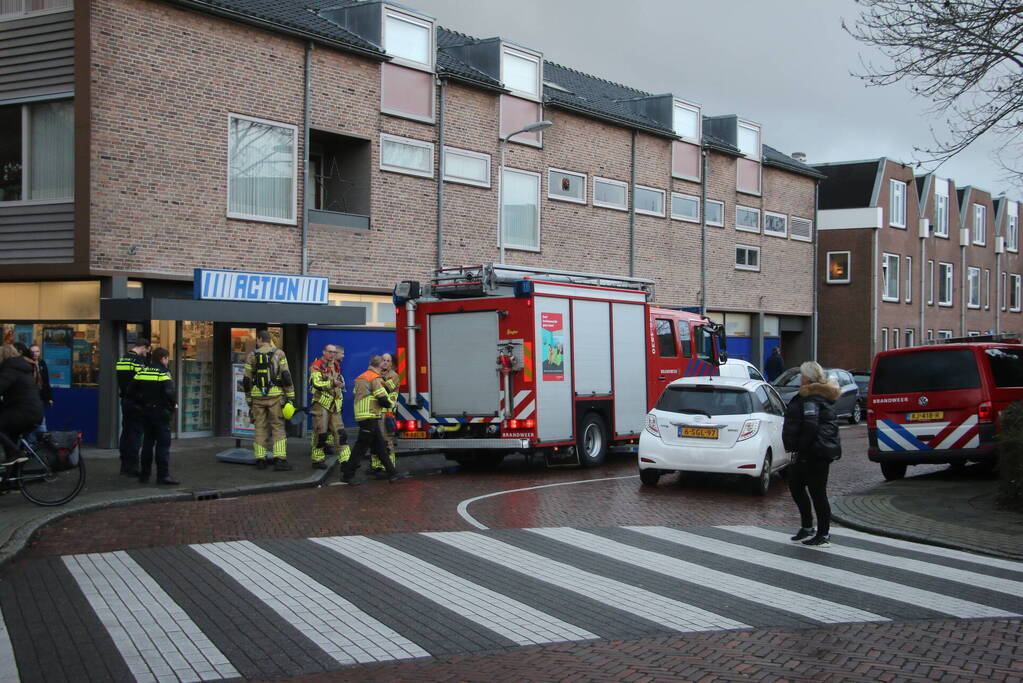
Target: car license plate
698,432
414,435
925,417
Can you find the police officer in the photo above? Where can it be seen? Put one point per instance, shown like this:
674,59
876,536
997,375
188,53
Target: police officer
328,388
131,418
391,381
267,384
370,403
152,391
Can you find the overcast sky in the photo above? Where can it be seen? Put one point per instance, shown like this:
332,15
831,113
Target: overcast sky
783,63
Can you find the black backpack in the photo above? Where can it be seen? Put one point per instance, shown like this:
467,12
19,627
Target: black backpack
264,371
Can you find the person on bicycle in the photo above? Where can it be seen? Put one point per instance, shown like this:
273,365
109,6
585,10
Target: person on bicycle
21,409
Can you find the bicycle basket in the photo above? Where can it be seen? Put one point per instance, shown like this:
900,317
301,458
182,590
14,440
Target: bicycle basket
62,449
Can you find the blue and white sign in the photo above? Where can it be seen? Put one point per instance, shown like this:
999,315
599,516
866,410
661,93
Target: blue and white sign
232,285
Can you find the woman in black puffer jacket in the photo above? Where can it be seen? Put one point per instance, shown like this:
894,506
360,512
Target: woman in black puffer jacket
21,409
811,434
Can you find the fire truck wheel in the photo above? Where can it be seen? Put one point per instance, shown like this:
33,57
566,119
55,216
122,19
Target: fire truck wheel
592,440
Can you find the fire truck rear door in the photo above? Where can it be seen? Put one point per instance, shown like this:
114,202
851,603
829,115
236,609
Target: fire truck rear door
463,364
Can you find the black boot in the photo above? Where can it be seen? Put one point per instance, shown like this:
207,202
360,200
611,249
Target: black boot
282,465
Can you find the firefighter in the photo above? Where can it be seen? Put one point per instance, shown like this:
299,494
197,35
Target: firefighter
391,381
152,392
370,403
267,385
328,387
131,418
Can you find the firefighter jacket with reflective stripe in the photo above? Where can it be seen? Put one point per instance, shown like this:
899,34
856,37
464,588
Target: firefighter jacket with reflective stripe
127,366
391,382
322,376
370,396
280,382
152,387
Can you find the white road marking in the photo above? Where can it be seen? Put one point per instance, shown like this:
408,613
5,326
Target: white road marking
811,607
341,629
938,551
8,667
648,605
839,577
157,639
463,507
514,620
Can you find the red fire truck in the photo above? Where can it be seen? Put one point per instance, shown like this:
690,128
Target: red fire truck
497,359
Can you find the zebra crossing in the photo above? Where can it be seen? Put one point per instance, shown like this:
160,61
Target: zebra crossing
266,608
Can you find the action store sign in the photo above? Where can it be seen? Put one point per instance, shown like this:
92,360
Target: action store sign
231,285
553,328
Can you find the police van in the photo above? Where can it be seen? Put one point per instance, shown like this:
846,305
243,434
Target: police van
940,403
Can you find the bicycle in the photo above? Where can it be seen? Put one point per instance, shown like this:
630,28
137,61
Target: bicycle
47,479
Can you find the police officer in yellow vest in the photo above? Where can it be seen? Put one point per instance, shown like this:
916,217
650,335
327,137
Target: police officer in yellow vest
153,393
328,387
131,417
370,403
391,381
267,384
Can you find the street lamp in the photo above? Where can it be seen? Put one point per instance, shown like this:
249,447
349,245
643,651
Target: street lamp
535,126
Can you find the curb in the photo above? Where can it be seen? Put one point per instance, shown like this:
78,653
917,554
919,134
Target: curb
21,537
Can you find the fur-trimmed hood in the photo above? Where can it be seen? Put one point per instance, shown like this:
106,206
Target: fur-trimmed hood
828,390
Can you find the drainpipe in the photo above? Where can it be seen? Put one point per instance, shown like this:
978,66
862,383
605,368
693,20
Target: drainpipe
875,268
442,82
814,320
703,236
922,294
305,177
964,295
632,210
998,291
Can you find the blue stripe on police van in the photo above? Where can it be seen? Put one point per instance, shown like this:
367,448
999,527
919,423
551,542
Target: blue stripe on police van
907,435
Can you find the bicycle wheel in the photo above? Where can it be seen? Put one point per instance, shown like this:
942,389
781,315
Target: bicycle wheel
44,486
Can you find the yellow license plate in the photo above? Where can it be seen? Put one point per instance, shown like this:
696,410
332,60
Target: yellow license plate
699,432
414,435
924,417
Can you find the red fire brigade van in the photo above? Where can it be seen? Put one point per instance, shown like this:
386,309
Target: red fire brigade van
940,403
497,359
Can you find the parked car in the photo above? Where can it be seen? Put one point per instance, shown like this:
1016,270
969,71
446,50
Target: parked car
736,367
847,406
940,404
723,425
862,379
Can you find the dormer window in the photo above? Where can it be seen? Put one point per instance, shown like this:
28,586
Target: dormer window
747,168
687,121
407,80
520,72
685,153
408,39
748,139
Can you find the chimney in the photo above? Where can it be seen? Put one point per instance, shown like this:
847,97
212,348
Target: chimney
799,156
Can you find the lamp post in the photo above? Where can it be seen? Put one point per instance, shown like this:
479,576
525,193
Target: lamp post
535,126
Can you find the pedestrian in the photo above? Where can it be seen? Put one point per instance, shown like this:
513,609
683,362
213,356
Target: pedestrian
131,417
391,381
267,385
22,408
45,390
328,388
810,432
370,403
152,391
775,364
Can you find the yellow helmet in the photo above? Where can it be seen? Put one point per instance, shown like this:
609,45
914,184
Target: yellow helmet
288,410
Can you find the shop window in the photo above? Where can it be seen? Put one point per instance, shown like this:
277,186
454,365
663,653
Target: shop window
262,170
37,151
71,350
838,267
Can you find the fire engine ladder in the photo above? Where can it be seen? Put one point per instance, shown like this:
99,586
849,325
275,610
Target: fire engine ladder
485,279
1005,337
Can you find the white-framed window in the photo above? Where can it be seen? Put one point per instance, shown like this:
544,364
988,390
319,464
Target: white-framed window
16,9
910,338
747,218
944,334
262,170
973,287
884,338
468,168
987,289
1014,293
405,155
801,228
930,282
776,224
897,204
685,207
890,277
945,273
37,151
979,224
520,72
520,210
714,213
566,186
610,194
940,215
909,279
895,337
1012,228
839,263
1003,294
748,140
408,39
687,121
648,201
930,335
747,257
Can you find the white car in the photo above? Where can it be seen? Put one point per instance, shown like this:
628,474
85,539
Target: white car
735,367
723,425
